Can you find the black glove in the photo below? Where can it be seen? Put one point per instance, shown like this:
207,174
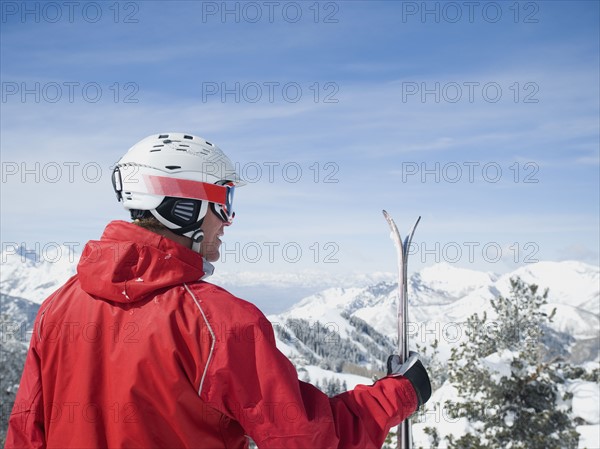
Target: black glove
414,371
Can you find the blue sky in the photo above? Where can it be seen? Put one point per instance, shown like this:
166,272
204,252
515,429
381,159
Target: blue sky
484,121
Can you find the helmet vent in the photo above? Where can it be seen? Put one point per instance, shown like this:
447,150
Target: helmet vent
188,137
184,210
208,143
172,167
163,136
156,149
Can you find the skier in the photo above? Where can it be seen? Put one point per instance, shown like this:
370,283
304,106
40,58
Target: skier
138,350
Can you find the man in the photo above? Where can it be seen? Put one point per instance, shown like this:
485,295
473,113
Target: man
137,351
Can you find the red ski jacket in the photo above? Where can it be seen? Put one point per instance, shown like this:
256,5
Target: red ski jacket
134,351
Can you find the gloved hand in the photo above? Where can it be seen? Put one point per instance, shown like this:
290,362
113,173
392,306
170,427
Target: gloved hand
414,371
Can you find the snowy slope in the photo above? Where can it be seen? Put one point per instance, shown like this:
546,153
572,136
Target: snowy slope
315,374
325,307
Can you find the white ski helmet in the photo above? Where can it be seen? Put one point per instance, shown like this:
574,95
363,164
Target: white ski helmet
174,177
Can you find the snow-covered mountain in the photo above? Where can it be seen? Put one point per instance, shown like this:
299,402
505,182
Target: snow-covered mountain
442,297
34,276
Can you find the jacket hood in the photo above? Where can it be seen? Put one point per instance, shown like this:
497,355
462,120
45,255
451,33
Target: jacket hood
129,262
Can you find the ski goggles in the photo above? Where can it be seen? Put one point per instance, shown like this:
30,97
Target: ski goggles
221,196
225,211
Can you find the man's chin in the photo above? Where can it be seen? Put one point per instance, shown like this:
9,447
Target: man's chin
211,252
212,257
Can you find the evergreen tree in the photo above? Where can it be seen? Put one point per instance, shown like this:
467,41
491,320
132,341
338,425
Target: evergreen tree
518,407
437,370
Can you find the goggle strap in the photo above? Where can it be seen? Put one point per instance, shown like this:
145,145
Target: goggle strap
189,228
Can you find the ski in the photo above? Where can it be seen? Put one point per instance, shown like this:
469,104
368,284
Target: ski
402,248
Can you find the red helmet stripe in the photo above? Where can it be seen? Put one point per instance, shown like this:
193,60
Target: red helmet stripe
186,188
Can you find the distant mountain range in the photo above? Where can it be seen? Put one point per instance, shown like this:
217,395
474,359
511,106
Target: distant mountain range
441,298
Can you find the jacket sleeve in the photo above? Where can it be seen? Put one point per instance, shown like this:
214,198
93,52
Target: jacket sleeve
26,422
251,381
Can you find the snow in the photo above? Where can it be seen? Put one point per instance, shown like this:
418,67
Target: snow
383,317
35,276
455,281
288,350
325,307
437,414
570,282
578,322
499,363
319,374
589,437
509,419
586,400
